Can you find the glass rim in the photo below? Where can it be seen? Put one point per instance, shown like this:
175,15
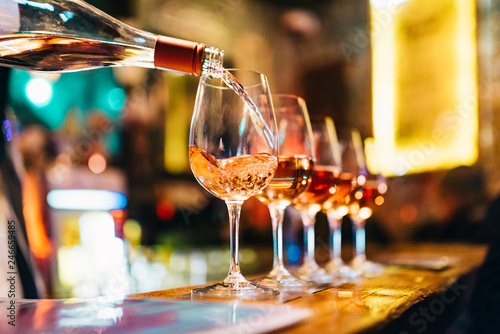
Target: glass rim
288,95
295,100
205,79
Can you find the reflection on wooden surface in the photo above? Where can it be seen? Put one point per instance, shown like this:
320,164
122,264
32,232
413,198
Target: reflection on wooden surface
373,304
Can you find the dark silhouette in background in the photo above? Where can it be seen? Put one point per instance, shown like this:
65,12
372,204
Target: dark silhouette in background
464,201
484,306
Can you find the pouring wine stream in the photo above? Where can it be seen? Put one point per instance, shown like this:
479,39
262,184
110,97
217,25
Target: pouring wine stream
251,107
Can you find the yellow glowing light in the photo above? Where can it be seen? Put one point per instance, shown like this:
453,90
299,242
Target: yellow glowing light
424,85
358,194
314,208
177,120
68,261
345,294
341,211
365,213
354,208
132,231
379,200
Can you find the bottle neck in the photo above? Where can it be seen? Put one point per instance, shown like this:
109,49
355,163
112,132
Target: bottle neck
211,61
186,56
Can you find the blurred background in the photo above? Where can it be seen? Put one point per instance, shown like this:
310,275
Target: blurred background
111,204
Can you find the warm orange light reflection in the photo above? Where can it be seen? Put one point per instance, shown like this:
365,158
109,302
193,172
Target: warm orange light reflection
97,163
33,213
379,200
408,213
42,315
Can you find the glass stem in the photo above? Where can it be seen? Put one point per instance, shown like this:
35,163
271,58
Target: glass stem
277,221
359,238
309,237
335,238
234,209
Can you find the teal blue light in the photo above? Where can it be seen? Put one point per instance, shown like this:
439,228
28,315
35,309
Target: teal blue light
66,15
243,125
113,142
37,5
47,99
116,99
86,199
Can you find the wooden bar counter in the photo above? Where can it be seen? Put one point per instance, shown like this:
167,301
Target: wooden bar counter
420,293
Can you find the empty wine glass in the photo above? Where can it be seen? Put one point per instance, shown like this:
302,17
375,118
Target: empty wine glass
327,167
296,158
233,153
367,194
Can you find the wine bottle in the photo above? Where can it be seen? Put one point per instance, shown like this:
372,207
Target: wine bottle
72,35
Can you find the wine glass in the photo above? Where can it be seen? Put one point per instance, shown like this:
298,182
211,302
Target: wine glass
233,153
336,208
366,195
295,163
327,167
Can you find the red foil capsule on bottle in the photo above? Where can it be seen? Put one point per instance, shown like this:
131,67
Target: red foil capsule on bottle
178,55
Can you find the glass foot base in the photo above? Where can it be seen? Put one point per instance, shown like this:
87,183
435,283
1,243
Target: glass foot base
310,271
341,271
282,280
240,290
366,268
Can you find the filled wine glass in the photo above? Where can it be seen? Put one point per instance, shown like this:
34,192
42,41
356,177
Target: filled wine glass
233,153
367,194
337,206
295,165
326,170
